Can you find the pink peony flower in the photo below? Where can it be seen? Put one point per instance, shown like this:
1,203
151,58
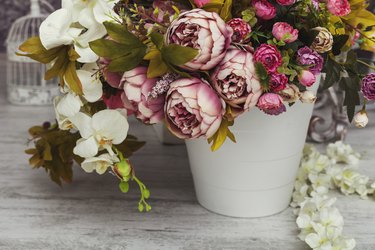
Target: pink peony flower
368,86
264,9
278,82
137,88
285,2
284,32
201,3
306,78
193,109
204,31
240,29
271,104
269,56
338,7
235,80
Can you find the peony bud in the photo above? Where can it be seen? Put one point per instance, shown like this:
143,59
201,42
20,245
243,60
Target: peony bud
323,41
361,119
241,30
307,97
306,78
290,94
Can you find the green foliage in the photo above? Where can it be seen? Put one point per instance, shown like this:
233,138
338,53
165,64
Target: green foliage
222,134
263,76
125,50
338,43
166,58
53,151
64,58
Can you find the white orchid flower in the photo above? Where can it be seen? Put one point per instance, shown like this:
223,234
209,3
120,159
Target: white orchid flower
56,30
78,22
102,10
71,103
100,163
99,132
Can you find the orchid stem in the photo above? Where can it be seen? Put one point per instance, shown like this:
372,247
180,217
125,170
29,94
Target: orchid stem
366,64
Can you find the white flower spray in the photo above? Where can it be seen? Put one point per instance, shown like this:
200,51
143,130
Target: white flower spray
320,222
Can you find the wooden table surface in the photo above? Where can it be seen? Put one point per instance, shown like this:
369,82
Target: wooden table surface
91,213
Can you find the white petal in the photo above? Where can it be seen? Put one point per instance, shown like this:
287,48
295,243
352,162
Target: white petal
82,123
86,54
91,86
86,148
111,125
69,105
53,31
103,11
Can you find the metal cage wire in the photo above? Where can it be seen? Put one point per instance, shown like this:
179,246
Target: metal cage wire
25,77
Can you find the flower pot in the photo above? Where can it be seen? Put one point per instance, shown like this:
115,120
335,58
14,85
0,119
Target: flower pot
255,176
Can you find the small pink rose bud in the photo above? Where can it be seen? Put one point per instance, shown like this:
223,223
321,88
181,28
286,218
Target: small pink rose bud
306,78
241,30
307,97
284,32
361,119
271,104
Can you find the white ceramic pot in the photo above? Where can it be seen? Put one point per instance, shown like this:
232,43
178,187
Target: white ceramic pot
254,177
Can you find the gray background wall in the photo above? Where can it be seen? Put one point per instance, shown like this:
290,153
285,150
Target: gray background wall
11,10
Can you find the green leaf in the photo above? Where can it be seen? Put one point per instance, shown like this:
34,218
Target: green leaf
120,34
178,55
221,135
263,76
124,186
107,48
157,39
338,42
127,61
226,11
333,73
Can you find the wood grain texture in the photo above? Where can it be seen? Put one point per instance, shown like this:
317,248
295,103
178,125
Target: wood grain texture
91,213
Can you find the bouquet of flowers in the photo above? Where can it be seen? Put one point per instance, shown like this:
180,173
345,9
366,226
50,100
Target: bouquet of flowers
194,65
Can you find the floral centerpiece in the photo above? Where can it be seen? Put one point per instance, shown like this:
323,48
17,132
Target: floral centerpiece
195,65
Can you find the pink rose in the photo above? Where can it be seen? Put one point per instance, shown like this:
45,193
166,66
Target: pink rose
338,7
235,80
285,2
264,9
204,31
271,104
278,82
201,3
284,32
137,88
269,56
241,29
193,109
306,78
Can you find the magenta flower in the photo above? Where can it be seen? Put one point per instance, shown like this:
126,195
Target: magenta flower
264,9
241,29
306,78
271,104
193,109
285,2
278,82
284,32
204,31
338,7
201,3
235,80
311,58
368,87
137,88
269,56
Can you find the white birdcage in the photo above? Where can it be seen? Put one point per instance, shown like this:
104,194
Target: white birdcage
25,77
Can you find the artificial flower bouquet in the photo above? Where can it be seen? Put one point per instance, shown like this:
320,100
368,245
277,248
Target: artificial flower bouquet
194,65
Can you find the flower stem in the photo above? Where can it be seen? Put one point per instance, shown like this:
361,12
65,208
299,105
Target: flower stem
366,64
